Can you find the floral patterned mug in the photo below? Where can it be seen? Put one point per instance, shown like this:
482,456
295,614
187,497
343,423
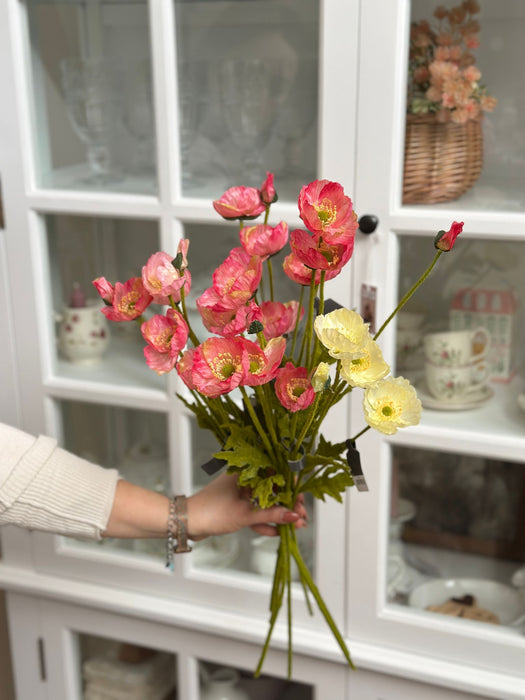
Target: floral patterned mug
453,382
449,348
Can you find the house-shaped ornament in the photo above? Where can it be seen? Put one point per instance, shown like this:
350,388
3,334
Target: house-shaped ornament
495,310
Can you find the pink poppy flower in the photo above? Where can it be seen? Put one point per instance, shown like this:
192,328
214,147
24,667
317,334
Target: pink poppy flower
105,289
298,272
293,388
238,276
185,368
323,206
262,364
222,315
267,192
445,239
129,301
166,336
219,365
240,203
316,254
278,318
162,279
264,240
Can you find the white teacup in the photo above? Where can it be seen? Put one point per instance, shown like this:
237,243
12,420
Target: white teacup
455,381
83,333
456,347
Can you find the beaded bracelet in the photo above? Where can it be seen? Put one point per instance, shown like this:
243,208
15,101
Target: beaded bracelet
177,529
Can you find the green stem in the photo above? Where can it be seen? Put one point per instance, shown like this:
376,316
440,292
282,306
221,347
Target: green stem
297,321
306,426
308,330
303,569
270,277
409,294
192,335
316,350
361,432
257,423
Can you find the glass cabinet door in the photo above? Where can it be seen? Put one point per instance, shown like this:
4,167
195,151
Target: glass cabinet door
248,93
446,503
91,96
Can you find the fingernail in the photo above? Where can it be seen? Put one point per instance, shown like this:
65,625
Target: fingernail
290,516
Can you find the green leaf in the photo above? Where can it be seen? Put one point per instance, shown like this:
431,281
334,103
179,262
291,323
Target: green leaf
332,482
243,449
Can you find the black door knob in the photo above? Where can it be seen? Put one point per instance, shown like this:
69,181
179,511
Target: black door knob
368,223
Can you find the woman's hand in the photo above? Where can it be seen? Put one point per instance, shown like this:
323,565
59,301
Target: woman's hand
221,507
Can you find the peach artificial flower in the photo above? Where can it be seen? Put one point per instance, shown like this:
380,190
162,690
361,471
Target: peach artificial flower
264,240
317,254
298,272
262,364
223,315
238,276
218,366
240,203
323,206
278,318
166,337
129,300
163,280
293,388
267,191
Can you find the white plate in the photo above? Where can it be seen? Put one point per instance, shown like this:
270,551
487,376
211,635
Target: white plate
504,601
463,403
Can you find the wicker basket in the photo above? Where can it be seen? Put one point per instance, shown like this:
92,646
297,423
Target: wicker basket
442,161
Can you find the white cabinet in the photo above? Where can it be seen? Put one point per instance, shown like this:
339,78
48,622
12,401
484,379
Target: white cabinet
106,161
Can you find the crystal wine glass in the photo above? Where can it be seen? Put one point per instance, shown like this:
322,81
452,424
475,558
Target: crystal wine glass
93,100
139,116
252,90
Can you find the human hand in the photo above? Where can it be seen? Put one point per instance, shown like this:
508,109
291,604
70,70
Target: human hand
221,507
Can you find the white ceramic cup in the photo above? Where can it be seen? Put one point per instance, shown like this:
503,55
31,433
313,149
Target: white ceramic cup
455,381
83,333
456,347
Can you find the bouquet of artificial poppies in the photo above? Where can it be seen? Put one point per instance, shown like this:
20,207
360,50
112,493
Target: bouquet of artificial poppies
265,378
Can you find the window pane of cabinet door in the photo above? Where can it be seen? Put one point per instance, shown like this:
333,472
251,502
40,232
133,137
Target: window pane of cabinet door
91,96
465,140
445,506
247,93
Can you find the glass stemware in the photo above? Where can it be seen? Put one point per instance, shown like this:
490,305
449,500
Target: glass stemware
252,90
192,94
93,100
139,116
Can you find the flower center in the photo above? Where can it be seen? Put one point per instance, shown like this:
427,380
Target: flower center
296,388
326,212
128,302
387,410
223,365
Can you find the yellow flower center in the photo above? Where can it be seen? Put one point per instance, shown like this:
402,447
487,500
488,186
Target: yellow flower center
128,302
388,410
326,212
223,365
296,388
256,366
164,337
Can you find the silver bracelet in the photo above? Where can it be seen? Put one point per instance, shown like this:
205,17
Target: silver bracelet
177,529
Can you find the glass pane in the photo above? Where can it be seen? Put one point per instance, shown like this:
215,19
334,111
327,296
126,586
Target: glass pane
478,160
132,441
225,682
92,95
477,293
81,249
115,669
457,544
248,92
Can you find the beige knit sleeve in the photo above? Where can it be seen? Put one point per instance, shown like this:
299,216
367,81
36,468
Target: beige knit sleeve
50,489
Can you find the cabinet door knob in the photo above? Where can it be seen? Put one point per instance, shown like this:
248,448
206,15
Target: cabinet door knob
368,223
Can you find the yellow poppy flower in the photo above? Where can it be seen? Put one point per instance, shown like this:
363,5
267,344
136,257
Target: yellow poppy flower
390,404
364,371
342,332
